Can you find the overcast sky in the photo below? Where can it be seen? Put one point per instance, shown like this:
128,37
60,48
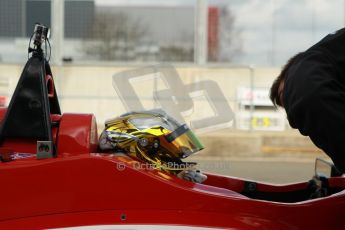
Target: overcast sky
280,28
272,30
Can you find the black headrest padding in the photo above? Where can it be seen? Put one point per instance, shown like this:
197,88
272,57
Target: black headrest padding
28,114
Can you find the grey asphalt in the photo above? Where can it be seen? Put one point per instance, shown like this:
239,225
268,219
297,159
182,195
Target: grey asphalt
266,170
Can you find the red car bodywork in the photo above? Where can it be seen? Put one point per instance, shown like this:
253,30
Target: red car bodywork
77,185
81,187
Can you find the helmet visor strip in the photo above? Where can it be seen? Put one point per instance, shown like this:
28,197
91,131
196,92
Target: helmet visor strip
185,140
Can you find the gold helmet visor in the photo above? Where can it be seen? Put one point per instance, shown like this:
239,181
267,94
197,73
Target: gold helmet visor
185,141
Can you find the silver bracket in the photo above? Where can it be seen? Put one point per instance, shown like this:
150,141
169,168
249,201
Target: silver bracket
44,149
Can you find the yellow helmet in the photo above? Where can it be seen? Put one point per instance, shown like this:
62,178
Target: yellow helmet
154,137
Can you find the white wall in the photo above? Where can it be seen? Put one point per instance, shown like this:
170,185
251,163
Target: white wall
89,89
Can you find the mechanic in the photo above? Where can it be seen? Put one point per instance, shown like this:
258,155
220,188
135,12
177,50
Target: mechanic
311,88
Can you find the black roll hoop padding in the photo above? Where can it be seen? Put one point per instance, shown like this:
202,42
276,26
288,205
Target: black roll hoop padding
28,114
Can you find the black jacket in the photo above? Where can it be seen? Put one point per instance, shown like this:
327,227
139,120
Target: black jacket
314,96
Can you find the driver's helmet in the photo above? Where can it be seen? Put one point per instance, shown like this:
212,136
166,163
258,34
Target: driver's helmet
152,136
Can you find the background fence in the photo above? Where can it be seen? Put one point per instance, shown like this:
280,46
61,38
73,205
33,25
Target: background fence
84,88
251,32
226,54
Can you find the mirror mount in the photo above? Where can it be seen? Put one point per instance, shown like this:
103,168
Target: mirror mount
325,169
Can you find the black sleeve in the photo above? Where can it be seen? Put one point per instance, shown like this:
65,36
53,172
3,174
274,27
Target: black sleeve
314,100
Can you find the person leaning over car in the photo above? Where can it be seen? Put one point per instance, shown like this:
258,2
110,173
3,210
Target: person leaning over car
311,88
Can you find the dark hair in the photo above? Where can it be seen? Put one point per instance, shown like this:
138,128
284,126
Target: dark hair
274,94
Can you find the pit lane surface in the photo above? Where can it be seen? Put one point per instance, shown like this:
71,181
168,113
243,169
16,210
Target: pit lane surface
278,171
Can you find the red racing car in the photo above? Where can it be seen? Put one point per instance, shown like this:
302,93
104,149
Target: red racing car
53,176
